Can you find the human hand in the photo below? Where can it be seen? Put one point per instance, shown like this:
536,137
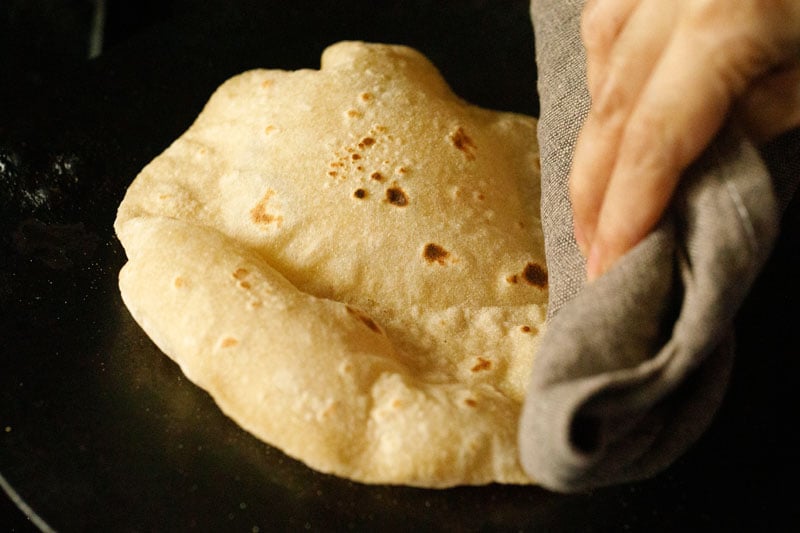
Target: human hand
664,75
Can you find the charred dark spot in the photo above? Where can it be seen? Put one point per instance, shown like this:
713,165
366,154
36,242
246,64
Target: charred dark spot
360,193
367,321
535,275
377,176
366,142
482,364
462,141
396,196
435,253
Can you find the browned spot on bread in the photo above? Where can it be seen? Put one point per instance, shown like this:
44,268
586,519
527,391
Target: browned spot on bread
355,157
254,304
397,403
228,342
365,97
532,274
366,142
360,193
332,173
535,275
179,282
243,285
462,141
266,83
433,253
270,129
401,170
240,273
352,113
259,213
396,196
367,321
482,364
377,176
470,402
528,329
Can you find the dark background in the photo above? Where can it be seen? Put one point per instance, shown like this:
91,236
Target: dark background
104,433
43,43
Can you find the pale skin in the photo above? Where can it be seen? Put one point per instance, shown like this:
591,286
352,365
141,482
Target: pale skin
664,77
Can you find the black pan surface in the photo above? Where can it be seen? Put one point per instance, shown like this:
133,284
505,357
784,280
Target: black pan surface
100,431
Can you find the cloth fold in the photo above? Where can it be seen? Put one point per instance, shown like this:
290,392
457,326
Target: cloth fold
633,366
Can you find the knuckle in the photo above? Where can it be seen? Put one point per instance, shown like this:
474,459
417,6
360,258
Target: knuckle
611,101
598,30
582,197
747,39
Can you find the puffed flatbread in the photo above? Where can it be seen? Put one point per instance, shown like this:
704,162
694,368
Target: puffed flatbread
350,261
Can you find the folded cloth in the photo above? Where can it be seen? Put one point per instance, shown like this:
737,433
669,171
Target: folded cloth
633,366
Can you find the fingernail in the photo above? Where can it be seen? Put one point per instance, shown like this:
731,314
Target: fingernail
594,263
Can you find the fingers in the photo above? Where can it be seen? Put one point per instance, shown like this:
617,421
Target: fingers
663,77
681,108
620,68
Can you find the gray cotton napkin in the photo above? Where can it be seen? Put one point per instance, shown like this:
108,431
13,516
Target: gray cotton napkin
633,366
